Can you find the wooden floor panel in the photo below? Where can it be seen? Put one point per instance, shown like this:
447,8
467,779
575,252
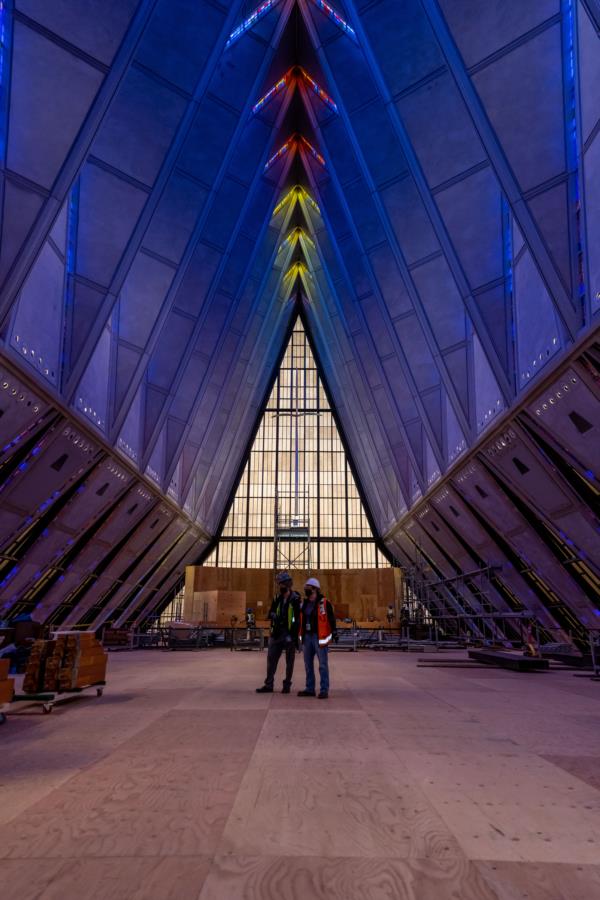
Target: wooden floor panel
297,734
511,806
536,881
586,768
315,878
408,783
330,808
126,878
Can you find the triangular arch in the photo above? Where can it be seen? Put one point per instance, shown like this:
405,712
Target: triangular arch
297,503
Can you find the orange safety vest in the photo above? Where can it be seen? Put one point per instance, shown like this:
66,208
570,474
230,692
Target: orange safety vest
323,626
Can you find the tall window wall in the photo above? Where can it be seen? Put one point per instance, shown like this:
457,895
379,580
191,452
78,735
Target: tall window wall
297,461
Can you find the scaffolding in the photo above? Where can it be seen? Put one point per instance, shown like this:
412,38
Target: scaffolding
173,612
292,530
459,607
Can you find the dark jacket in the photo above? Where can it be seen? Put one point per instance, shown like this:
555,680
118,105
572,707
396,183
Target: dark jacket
313,619
282,623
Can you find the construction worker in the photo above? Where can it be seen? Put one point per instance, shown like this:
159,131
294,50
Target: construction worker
250,622
317,628
284,615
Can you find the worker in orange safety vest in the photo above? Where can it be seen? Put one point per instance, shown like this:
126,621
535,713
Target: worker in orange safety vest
317,628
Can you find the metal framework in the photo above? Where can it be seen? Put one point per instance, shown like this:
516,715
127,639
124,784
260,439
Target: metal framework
292,528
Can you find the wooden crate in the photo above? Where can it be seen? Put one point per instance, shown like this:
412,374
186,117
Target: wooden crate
230,605
216,607
199,607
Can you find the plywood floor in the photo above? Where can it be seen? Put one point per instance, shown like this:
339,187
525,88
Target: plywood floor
409,783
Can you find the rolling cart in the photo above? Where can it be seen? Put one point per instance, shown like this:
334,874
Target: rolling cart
48,699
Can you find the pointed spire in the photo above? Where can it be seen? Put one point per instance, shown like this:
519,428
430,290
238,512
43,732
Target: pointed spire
296,195
293,144
291,79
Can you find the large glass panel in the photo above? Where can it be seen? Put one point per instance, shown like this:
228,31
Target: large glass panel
297,504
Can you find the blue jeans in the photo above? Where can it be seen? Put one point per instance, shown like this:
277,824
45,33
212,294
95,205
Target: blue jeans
312,648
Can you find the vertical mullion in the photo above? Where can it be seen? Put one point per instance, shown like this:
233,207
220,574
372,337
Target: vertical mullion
248,500
277,427
318,457
346,509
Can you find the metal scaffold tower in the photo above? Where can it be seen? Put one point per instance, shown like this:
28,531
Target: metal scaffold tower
292,530
459,606
292,520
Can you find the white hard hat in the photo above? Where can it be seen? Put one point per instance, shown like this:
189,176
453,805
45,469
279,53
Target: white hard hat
313,582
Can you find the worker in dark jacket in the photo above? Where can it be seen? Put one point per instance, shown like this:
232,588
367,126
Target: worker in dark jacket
317,628
284,615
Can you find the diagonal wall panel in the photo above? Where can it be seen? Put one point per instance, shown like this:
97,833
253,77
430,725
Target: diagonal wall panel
440,160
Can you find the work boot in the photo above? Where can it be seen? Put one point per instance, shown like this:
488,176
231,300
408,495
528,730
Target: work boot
285,689
323,695
306,694
265,689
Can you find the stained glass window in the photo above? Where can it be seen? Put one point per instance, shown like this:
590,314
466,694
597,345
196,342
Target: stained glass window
297,483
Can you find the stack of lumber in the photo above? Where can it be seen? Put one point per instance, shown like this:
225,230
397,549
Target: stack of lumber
7,685
515,661
73,660
35,674
83,660
53,662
